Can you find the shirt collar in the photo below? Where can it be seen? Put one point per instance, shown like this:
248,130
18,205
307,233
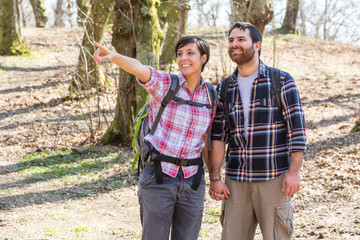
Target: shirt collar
263,72
182,80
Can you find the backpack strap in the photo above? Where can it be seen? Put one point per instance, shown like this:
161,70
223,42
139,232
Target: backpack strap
212,100
223,93
174,88
276,86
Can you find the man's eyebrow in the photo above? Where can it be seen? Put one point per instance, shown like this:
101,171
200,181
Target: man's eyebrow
236,37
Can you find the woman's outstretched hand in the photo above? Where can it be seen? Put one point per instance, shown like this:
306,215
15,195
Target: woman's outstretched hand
102,53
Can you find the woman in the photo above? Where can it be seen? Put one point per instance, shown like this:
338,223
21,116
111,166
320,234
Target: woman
175,202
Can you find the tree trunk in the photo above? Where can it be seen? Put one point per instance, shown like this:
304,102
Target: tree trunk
94,31
289,23
176,18
302,24
257,12
83,8
136,33
10,40
59,13
39,12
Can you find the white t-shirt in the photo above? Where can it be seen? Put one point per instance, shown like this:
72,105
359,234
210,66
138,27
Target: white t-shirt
245,86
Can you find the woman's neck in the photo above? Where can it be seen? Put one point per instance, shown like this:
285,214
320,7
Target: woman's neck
193,82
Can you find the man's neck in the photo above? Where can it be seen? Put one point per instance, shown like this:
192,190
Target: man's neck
248,68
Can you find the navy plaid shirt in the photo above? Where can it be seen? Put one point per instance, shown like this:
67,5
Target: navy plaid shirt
265,154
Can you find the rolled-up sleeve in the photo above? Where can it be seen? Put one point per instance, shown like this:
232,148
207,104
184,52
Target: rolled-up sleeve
294,115
218,127
158,84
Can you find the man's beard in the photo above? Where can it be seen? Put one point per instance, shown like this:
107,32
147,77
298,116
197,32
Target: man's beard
246,56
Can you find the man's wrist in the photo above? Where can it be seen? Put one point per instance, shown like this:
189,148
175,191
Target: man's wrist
215,179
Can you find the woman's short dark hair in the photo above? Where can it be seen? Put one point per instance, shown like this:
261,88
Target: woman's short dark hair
202,45
254,32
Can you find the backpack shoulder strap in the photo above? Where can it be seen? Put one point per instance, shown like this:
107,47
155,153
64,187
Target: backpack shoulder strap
276,86
174,88
223,93
212,95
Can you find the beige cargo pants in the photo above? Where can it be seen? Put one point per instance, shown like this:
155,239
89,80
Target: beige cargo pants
253,203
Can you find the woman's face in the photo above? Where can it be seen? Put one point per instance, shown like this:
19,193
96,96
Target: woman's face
189,60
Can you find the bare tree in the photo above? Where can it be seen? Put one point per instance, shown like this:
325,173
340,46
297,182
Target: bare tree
207,11
257,12
289,23
39,12
176,19
330,20
88,74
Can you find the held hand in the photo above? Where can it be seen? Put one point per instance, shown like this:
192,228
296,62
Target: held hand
291,183
102,53
219,191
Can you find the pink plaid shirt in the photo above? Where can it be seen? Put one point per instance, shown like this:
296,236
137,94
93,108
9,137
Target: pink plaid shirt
182,128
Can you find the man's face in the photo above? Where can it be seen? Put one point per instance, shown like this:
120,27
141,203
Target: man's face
241,49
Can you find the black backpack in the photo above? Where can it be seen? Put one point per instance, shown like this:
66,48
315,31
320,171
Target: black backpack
275,92
142,120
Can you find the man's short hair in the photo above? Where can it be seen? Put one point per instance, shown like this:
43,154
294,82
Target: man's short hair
254,31
202,45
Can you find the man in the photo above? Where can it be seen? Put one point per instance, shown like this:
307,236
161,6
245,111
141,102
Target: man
265,146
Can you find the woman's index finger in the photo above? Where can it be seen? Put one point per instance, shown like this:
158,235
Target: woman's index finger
99,45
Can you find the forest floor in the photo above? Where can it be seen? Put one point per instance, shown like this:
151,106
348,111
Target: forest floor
54,184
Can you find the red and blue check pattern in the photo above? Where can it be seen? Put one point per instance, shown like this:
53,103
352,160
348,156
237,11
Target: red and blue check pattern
265,154
182,128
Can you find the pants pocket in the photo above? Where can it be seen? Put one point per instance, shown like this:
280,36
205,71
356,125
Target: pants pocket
284,227
147,175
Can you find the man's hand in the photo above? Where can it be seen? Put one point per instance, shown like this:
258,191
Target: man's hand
218,191
291,183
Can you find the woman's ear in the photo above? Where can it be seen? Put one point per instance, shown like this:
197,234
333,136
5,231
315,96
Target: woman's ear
203,58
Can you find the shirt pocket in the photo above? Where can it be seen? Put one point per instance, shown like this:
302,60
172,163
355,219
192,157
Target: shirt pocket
267,111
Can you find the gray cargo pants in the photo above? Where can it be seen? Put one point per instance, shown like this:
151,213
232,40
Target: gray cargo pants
172,204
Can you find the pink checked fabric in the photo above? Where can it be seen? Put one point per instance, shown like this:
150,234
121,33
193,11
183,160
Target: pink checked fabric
182,128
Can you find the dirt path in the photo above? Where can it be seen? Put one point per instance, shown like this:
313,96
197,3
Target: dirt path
48,191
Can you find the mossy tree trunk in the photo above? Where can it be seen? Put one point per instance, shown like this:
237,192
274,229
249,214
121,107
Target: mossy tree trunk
88,74
289,23
39,12
176,13
136,33
10,40
257,12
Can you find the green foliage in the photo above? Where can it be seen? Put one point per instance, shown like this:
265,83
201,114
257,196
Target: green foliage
49,232
80,229
213,211
68,166
203,233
